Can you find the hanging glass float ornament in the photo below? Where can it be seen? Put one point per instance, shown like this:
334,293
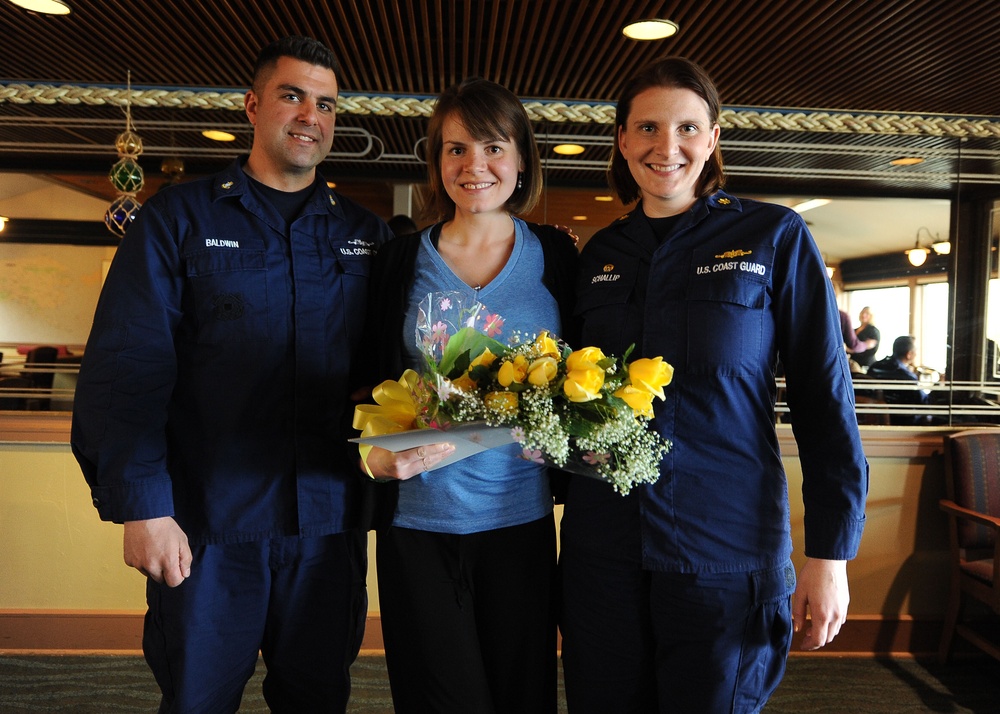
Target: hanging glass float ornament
126,175
121,213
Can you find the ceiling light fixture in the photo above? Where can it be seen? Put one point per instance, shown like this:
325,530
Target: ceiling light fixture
604,199
653,29
810,204
216,135
918,256
579,218
45,7
568,149
3,223
907,161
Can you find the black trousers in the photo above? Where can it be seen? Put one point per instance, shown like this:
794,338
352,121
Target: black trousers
469,620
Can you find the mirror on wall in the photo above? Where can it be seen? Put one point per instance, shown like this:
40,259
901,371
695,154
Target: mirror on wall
871,216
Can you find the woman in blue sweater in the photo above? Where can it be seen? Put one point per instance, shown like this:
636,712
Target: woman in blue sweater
466,568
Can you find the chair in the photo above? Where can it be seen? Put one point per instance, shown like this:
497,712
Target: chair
972,469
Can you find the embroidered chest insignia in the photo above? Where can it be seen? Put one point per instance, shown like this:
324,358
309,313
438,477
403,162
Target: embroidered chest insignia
739,253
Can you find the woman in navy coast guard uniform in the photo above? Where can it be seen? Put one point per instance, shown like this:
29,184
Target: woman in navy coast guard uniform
681,597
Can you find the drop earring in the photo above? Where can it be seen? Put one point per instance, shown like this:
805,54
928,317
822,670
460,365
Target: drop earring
520,177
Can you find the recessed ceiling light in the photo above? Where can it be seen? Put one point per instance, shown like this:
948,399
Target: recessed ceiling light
604,198
216,135
650,29
568,149
46,7
907,161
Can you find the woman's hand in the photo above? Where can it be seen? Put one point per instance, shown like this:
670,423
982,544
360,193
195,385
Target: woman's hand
402,465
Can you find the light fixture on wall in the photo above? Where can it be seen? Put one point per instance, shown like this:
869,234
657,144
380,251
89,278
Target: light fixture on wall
918,255
3,223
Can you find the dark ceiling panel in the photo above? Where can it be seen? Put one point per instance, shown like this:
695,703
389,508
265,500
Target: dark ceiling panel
924,57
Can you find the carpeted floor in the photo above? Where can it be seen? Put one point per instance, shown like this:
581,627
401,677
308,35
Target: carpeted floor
833,685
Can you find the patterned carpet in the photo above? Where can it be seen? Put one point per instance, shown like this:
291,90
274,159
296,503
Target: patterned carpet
833,685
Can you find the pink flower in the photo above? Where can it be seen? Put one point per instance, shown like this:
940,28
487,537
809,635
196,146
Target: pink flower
532,455
494,323
439,332
445,304
594,459
517,434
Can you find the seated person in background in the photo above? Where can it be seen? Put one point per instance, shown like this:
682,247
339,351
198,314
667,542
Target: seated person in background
867,333
900,366
851,341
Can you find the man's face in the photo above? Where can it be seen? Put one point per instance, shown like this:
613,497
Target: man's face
293,109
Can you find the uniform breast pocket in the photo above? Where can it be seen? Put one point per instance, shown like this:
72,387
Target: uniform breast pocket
608,314
353,275
725,323
228,289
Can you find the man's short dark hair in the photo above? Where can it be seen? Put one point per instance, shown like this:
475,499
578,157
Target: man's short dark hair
903,345
298,47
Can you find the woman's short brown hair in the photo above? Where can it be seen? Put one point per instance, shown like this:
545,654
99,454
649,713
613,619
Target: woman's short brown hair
675,72
488,111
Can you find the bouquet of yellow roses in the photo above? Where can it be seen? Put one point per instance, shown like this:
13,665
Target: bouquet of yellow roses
579,410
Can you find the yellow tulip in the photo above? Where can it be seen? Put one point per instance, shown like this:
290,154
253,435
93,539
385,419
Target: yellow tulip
651,375
546,345
593,355
501,402
542,371
584,383
511,372
640,400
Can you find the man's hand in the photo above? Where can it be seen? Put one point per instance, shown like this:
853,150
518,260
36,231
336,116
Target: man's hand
402,465
822,592
158,549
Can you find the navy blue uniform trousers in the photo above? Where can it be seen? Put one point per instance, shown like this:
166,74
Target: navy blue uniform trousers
640,642
299,602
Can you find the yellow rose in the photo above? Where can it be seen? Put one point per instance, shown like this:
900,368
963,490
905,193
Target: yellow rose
546,345
592,355
485,358
640,400
501,402
511,372
651,375
465,383
583,384
542,371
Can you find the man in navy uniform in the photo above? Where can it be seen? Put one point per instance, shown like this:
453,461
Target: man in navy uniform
211,401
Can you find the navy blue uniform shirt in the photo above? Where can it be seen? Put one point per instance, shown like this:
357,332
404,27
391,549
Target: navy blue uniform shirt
214,384
737,285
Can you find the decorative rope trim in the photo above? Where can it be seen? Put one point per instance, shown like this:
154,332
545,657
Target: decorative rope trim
538,110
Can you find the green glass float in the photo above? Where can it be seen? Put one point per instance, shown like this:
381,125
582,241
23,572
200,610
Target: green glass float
127,176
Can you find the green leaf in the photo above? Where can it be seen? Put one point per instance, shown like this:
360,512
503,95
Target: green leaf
463,347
